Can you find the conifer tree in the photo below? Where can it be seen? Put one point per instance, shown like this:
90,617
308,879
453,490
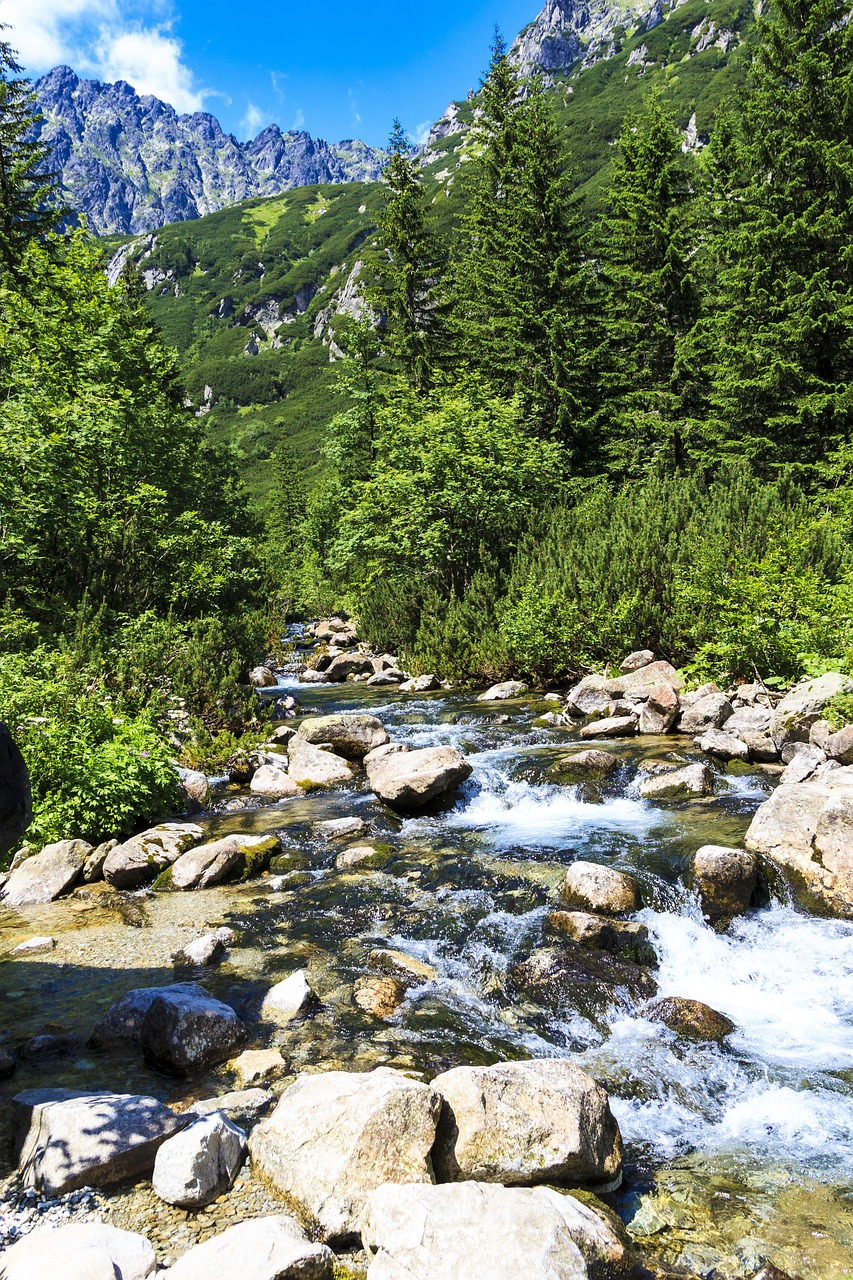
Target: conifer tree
407,275
522,314
644,249
28,205
778,340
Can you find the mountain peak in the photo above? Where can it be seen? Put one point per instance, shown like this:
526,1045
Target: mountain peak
568,31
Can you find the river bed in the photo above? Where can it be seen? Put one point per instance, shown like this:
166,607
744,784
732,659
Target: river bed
735,1155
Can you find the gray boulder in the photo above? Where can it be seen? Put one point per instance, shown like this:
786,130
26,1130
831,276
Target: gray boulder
601,933
349,664
223,859
122,1023
273,1248
272,781
183,1033
526,1122
310,767
243,1107
262,678
589,762
196,788
839,745
590,697
691,1019
311,676
199,1163
611,727
288,998
644,679
725,880
802,706
589,886
678,784
710,712
335,1137
351,736
421,684
723,746
408,780
48,874
659,712
635,661
80,1251
93,869
205,950
804,763
67,1139
16,798
141,859
340,828
500,692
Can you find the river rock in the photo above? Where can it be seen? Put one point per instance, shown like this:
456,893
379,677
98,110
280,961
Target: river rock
244,1107
205,950
611,727
634,661
183,1033
806,831
802,706
122,1023
724,746
141,859
273,1248
526,1122
839,746
68,1139
421,684
804,762
223,859
272,781
199,1163
16,798
590,697
644,679
573,979
364,857
47,875
412,972
379,994
675,784
589,762
384,679
196,788
690,1019
588,886
310,767
312,676
93,867
500,692
351,736
349,664
599,933
660,711
337,1136
340,828
262,678
726,880
80,1251
408,780
288,998
471,1231
34,946
258,1067
710,712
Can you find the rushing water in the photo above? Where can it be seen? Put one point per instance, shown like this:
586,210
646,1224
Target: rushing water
735,1154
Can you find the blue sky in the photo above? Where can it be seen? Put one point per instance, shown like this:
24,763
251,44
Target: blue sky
337,69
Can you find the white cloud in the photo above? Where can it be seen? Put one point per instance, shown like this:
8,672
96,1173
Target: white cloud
353,102
152,62
252,120
46,32
299,119
422,132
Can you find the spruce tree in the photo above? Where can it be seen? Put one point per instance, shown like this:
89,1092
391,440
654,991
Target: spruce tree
28,204
778,339
522,310
405,287
643,243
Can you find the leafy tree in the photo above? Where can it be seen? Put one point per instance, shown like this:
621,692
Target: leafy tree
408,270
28,205
522,288
644,244
778,337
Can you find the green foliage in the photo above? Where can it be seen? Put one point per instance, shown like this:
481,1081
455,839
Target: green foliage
839,712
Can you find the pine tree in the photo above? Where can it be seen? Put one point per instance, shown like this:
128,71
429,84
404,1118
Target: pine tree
643,242
28,204
522,309
408,272
778,340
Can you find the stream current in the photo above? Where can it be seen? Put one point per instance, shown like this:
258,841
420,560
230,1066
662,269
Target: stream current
735,1155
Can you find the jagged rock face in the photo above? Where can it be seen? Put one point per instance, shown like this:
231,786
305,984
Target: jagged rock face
132,164
565,31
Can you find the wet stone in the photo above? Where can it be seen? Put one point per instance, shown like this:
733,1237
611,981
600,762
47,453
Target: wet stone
691,1019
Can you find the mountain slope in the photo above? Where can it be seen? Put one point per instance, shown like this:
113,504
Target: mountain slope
132,164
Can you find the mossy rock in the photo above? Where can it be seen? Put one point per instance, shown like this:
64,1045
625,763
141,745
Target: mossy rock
164,881
257,858
289,860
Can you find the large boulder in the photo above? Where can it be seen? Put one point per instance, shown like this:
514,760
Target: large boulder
80,1251
351,736
223,859
67,1139
349,664
802,706
679,784
288,998
16,797
659,712
723,746
141,859
634,661
500,692
310,767
806,831
725,880
710,712
584,764
273,1248
588,886
473,1230
335,1137
644,679
526,1122
262,678
421,684
272,781
611,727
590,697
183,1033
839,746
122,1023
691,1019
601,933
48,874
408,780
199,1163
243,1107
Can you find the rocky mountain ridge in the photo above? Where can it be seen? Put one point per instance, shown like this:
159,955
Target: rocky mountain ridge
131,163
